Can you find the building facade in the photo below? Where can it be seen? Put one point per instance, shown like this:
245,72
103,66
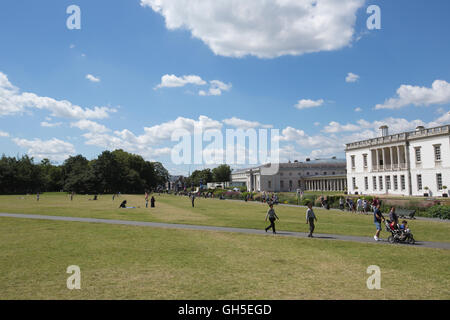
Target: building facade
410,163
316,175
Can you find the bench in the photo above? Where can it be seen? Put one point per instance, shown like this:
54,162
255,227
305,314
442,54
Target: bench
405,213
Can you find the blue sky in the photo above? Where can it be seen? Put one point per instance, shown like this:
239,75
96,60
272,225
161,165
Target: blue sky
261,59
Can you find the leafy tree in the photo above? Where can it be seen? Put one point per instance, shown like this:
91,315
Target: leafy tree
222,173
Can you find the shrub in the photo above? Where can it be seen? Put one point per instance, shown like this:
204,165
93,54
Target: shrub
439,211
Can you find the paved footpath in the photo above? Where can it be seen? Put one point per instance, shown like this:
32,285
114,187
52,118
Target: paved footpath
420,244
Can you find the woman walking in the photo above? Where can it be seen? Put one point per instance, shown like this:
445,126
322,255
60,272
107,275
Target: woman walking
310,217
272,217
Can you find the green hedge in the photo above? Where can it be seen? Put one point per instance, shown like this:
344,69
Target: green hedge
439,211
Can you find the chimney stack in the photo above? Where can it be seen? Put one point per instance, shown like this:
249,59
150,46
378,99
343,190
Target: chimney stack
384,131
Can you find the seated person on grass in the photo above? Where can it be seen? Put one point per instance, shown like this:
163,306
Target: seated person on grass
123,205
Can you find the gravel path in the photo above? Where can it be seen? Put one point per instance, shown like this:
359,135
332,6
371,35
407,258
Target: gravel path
420,244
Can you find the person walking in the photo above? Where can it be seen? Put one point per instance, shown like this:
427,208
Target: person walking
152,202
146,199
310,217
37,196
193,200
359,204
377,218
272,216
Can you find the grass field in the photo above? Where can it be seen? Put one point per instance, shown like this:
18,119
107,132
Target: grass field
128,262
177,209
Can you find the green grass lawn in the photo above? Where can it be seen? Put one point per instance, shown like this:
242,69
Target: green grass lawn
127,262
177,209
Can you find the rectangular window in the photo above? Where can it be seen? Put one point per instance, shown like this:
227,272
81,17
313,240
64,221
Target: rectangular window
403,182
354,183
381,182
419,182
388,182
395,182
366,183
353,161
270,184
439,181
365,160
437,152
374,180
281,184
418,155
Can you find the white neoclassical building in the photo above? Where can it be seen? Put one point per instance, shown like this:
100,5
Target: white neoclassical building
409,163
317,175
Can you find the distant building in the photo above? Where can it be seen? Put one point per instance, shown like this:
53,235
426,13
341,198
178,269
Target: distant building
409,163
316,175
175,183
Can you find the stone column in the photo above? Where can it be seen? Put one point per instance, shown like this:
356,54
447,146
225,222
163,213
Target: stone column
392,157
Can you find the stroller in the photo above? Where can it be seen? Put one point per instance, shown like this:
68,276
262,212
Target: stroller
398,235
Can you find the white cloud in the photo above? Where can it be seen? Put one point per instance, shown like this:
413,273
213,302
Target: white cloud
216,88
265,29
334,127
358,109
12,102
439,93
72,46
442,120
145,143
244,124
50,124
92,78
4,134
53,149
172,81
90,126
307,103
351,77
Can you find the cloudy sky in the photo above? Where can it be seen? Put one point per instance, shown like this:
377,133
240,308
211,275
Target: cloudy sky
138,70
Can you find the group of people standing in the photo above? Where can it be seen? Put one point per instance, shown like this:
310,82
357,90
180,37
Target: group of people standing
360,205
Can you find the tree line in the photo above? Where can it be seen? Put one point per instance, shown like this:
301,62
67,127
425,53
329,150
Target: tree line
111,172
220,174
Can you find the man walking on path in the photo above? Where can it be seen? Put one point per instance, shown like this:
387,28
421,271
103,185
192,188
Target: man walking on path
146,199
377,217
272,217
310,217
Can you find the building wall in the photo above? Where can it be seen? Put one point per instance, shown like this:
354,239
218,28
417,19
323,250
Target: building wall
427,168
287,179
